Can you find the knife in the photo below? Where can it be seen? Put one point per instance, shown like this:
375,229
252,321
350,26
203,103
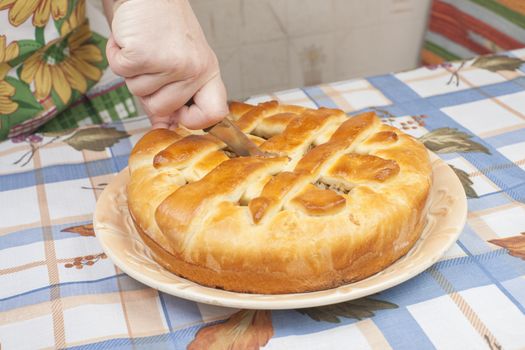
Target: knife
231,135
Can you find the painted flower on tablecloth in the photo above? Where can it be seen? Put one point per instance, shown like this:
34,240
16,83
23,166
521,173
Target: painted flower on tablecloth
7,53
77,17
7,106
21,10
7,91
252,329
64,66
246,329
81,261
514,244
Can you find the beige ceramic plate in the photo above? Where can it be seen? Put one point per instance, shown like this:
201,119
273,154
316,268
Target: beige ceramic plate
446,214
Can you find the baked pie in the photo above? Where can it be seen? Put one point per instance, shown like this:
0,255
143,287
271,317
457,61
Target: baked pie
343,199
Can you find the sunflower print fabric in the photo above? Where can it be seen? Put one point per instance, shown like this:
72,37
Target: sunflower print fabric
52,69
51,64
41,10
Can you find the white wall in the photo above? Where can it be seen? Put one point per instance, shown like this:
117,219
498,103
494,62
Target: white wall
268,45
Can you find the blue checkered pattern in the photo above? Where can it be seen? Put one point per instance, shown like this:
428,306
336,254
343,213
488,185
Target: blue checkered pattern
473,298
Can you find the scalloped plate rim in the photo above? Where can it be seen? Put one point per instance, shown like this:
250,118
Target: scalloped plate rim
195,292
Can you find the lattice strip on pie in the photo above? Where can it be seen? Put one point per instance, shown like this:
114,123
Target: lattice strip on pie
226,182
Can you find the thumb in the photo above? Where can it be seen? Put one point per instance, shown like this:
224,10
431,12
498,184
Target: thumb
209,106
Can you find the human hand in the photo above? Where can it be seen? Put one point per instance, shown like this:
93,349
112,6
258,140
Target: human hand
161,51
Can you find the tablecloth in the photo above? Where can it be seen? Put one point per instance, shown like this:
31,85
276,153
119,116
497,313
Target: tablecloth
58,289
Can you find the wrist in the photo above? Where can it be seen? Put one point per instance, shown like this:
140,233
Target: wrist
110,7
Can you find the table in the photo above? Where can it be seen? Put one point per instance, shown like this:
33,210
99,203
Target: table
58,289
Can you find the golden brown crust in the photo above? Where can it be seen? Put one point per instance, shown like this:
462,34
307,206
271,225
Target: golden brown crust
359,168
315,201
344,200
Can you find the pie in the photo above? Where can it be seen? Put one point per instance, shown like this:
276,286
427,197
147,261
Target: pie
343,198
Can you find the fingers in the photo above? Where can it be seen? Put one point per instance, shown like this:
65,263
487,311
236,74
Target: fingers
167,108
147,84
159,122
209,106
164,123
168,99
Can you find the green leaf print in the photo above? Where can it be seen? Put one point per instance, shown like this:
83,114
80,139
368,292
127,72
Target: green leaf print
57,101
57,133
449,140
95,139
358,309
465,181
100,41
19,71
39,35
26,48
498,62
28,106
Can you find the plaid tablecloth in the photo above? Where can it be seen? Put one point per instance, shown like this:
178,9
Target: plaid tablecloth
58,289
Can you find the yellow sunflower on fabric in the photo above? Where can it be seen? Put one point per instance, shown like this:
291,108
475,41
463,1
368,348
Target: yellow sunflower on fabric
7,53
77,17
64,66
7,91
21,10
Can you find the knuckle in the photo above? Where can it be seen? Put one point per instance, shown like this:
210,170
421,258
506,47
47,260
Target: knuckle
191,65
171,61
168,60
195,68
200,67
121,67
128,62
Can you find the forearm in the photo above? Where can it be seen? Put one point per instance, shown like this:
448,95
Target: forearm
109,8
111,5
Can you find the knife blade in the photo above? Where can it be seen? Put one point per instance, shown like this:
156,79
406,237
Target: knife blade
231,135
